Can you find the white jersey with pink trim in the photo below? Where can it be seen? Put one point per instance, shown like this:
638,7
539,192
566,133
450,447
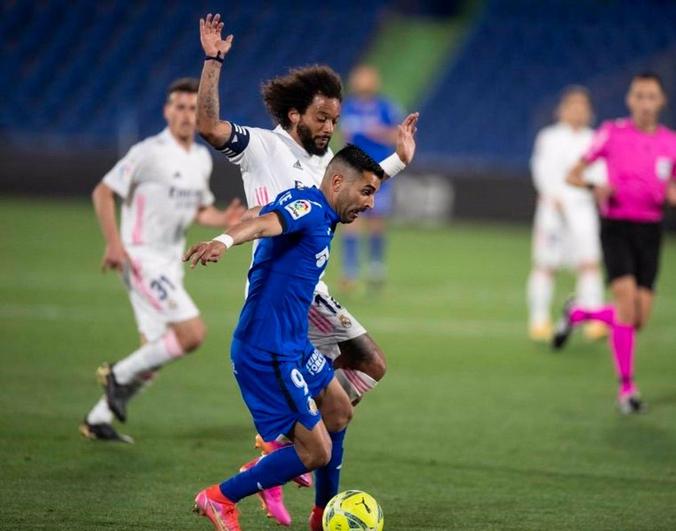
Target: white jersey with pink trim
163,185
272,162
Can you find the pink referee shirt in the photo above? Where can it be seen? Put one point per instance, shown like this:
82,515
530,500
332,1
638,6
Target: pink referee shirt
640,166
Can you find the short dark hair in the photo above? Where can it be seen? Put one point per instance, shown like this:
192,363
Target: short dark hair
358,159
183,84
650,76
297,89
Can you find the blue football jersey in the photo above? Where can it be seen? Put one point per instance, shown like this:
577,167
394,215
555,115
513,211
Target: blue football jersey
284,273
359,115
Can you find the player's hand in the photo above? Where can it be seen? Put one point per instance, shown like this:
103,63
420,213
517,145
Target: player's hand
602,194
114,257
204,252
210,36
406,137
671,194
233,213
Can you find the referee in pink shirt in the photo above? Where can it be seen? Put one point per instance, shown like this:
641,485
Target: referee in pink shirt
640,155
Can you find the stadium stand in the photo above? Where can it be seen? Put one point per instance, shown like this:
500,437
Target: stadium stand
89,72
500,89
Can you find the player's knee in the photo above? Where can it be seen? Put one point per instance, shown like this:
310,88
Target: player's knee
322,456
190,338
338,416
378,366
316,457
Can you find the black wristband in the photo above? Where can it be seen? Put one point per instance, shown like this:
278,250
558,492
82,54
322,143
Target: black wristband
216,57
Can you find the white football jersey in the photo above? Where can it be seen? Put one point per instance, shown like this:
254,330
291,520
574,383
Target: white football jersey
163,186
558,148
271,162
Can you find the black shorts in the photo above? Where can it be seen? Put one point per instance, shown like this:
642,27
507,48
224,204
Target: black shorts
631,248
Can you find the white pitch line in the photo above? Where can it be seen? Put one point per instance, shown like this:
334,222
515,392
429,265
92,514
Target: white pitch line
451,327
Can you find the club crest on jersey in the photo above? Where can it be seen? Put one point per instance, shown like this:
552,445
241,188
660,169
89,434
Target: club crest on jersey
299,208
663,168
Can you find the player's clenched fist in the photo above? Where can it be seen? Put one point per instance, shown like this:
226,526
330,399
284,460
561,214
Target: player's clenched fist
204,252
114,257
210,35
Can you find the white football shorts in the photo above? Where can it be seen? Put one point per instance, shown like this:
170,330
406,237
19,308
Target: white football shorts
566,238
157,295
330,323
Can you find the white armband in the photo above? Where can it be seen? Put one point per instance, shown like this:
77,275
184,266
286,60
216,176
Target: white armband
225,239
392,165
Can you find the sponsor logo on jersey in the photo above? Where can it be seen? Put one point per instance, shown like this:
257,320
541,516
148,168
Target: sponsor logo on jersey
663,168
299,208
316,362
298,165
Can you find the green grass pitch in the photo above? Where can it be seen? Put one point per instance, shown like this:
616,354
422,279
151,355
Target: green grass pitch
474,427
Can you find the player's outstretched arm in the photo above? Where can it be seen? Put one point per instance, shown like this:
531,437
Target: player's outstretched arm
211,216
405,149
264,226
214,130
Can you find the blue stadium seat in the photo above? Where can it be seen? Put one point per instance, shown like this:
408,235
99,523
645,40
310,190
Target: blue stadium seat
503,86
89,71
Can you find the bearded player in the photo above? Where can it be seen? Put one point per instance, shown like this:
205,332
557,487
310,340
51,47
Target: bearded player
306,105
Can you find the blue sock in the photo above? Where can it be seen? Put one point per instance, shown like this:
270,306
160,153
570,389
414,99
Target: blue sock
351,256
274,469
377,248
327,478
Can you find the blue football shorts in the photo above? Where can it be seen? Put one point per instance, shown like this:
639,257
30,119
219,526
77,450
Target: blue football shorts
279,392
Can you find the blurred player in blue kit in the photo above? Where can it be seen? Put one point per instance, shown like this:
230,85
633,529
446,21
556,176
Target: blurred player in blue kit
369,121
287,384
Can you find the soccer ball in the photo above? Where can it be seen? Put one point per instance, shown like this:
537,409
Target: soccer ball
353,510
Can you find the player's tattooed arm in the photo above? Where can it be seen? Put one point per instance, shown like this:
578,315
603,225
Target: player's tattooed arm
210,126
264,226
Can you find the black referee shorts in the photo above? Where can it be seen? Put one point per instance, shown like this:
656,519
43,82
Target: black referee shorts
631,248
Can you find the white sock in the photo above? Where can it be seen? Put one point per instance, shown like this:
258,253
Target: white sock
355,382
100,413
589,289
149,357
540,291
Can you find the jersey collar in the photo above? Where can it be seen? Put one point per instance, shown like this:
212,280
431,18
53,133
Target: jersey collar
166,135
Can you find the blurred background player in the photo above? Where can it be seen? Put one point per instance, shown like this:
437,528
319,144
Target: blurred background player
640,155
565,229
163,182
369,121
